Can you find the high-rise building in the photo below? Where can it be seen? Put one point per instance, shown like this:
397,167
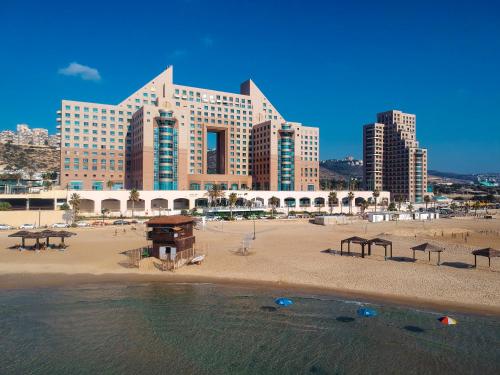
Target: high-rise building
158,139
393,159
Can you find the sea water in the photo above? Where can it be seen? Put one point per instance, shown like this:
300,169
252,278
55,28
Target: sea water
157,328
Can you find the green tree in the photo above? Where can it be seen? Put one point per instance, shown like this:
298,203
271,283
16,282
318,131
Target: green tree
64,206
110,184
392,206
134,197
476,206
427,200
332,200
215,193
364,205
410,207
5,206
453,206
75,202
350,198
233,197
104,212
273,201
375,195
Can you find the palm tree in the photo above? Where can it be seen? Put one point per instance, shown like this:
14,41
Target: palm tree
375,195
399,199
74,201
215,193
273,201
110,184
410,207
104,212
365,205
332,200
453,206
476,206
350,198
134,197
427,200
232,201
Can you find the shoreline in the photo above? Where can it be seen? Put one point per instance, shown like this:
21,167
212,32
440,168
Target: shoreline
13,281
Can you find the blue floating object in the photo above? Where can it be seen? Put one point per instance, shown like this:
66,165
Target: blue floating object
283,301
366,312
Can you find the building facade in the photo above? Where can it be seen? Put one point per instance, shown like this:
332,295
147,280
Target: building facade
393,159
158,138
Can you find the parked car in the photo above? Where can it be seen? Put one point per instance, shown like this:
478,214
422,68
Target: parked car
27,226
60,225
121,222
238,217
82,224
5,227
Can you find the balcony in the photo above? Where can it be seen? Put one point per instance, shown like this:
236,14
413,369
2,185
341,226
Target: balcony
58,119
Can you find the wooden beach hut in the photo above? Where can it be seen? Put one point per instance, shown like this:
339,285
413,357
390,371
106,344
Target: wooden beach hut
356,240
380,242
172,236
430,248
486,252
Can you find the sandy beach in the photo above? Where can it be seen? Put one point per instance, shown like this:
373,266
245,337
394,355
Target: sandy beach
288,253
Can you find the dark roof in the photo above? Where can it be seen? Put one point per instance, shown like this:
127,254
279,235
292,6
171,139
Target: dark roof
379,241
63,233
428,247
21,233
487,252
355,239
170,220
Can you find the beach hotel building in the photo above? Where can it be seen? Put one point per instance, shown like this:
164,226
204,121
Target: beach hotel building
158,139
393,159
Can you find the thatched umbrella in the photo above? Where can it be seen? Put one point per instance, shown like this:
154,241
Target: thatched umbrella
356,240
22,234
63,234
380,242
430,248
36,236
486,252
47,233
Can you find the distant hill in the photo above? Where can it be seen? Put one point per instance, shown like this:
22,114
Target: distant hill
29,158
340,169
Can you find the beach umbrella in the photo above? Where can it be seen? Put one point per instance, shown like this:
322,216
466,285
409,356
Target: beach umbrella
283,301
366,312
448,321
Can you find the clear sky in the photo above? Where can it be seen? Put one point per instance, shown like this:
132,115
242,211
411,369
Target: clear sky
332,64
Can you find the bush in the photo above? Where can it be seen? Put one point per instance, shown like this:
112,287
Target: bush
5,206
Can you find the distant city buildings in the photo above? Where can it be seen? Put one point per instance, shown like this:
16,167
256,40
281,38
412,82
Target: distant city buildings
393,159
24,135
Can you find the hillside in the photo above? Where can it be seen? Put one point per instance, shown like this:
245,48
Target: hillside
28,158
339,169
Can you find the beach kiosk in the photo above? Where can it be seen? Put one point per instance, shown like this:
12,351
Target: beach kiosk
172,238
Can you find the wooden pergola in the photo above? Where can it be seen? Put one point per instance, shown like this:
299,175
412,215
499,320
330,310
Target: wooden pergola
380,242
486,252
21,234
356,240
43,234
430,248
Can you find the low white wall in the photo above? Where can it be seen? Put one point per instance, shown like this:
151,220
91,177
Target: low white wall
39,218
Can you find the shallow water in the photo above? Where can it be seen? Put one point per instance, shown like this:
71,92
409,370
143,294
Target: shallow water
156,328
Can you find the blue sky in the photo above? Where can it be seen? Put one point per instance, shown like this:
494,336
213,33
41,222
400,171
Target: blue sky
324,63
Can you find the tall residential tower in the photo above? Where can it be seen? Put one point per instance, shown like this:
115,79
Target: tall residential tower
392,157
158,138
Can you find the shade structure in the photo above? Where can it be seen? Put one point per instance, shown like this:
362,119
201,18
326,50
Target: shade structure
22,234
356,240
47,233
380,242
486,252
430,248
64,234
